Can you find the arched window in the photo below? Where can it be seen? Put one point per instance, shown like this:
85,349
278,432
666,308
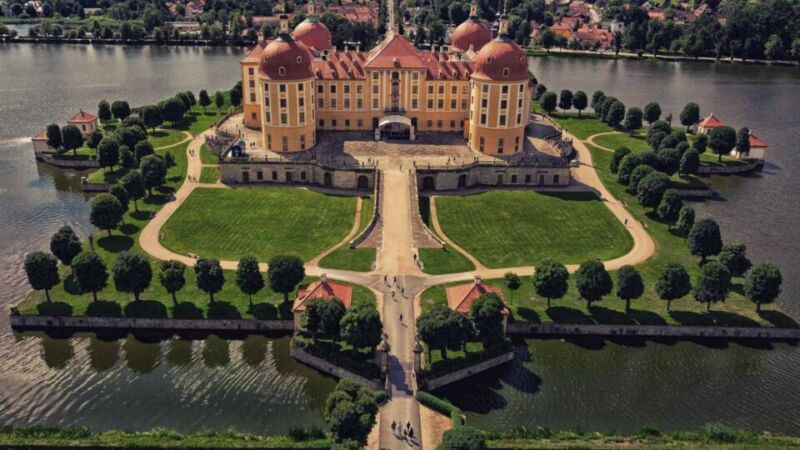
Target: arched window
395,75
506,71
299,59
281,71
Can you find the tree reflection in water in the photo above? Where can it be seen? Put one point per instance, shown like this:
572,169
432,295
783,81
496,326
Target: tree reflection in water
102,354
179,352
56,352
140,356
216,352
254,350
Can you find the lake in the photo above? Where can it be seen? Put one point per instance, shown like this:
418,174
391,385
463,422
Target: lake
253,385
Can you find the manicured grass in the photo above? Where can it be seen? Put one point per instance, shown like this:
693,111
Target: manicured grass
581,127
209,175
104,175
231,223
197,121
81,153
514,228
206,157
436,261
163,138
635,143
175,174
356,259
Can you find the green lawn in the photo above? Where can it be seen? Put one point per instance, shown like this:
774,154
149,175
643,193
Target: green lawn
513,228
209,175
581,127
231,223
197,121
635,143
175,175
436,261
163,138
206,156
356,259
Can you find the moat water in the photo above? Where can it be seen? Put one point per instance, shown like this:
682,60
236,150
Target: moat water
253,385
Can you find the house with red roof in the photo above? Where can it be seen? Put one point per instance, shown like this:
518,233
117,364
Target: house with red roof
709,123
461,297
324,289
757,149
84,121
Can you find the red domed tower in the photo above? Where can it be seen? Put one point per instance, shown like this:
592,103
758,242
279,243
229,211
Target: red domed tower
286,87
472,34
313,33
501,96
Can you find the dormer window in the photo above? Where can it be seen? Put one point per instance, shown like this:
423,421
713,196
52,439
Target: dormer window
489,60
299,59
282,71
506,71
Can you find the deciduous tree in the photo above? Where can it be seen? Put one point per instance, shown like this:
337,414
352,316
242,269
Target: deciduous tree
133,183
154,172
629,285
42,271
670,206
652,112
722,140
204,99
486,314
65,245
565,100
152,117
579,101
108,152
361,325
619,153
651,189
210,276
763,284
548,101
172,278
132,273
322,317
743,141
550,280
685,220
704,239
120,110
593,282
106,213
734,258
690,115
713,284
633,120
73,139
673,283
284,273
690,162
103,110
248,277
91,273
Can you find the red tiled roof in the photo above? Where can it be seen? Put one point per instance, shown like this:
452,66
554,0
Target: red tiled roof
41,136
755,142
323,289
711,121
82,117
461,297
395,52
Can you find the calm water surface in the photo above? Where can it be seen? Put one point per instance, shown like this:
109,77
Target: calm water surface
253,385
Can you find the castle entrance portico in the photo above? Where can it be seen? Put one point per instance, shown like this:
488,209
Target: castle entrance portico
395,127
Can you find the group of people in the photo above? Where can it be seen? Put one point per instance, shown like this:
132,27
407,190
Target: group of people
393,283
403,431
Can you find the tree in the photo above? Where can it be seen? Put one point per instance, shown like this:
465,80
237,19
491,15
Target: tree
713,284
690,162
685,220
670,206
673,283
72,138
763,284
284,273
654,138
615,114
547,39
130,136
652,112
151,116
172,110
633,120
171,276
619,153
463,438
743,141
636,176
126,158
236,97
550,280
322,317
629,285
90,273
651,189
361,325
540,89
592,281
65,245
186,99
626,167
565,100
106,213
154,172
248,277
120,110
133,183
204,99
774,49
219,100
132,273
210,276
548,101
94,139
442,329
598,97
108,152
605,106
690,115
142,149
103,111
734,258
350,412
669,160
486,314
513,282
722,140
704,239
579,101
42,271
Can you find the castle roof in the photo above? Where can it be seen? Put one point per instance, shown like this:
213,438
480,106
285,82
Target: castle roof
471,33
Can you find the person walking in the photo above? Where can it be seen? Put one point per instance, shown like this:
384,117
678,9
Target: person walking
411,432
394,426
401,317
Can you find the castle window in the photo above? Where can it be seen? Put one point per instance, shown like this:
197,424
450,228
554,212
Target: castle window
505,90
483,119
452,124
527,178
303,145
322,123
516,144
375,75
484,102
285,143
303,173
250,71
503,104
430,124
519,119
375,89
333,89
252,97
430,89
506,71
500,144
300,87
284,119
347,103
269,142
454,90
521,88
360,123
482,141
320,88
555,179
252,83
333,103
301,102
260,176
430,103
414,75
275,175
463,104
346,88
281,71
282,88
414,103
438,124
347,123
415,89
441,89
502,120
302,118
485,89
453,104
267,117
253,116
359,89
374,103
514,178
360,103
333,123
440,104
283,103
321,103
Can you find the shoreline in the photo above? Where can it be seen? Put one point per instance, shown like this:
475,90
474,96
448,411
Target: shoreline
136,42
565,53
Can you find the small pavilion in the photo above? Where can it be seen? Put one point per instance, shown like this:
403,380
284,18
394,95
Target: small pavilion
461,297
324,289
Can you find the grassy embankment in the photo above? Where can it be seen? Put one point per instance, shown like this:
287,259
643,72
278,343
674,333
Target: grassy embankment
356,259
437,261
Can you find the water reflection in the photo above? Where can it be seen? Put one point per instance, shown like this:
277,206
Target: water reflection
216,352
103,354
254,350
180,352
56,352
140,356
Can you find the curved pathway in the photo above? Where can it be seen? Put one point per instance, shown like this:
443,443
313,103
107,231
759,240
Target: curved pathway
590,140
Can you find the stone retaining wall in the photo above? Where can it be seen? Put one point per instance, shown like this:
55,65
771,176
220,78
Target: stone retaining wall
126,323
297,173
78,164
325,366
435,383
730,170
95,187
675,331
373,222
488,175
695,193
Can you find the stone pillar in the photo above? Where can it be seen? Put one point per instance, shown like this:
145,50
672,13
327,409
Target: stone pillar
418,351
382,355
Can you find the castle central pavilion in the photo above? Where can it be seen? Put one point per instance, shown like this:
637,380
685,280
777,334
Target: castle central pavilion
299,83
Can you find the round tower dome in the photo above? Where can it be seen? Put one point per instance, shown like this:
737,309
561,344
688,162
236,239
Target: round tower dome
472,32
286,59
501,59
313,33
